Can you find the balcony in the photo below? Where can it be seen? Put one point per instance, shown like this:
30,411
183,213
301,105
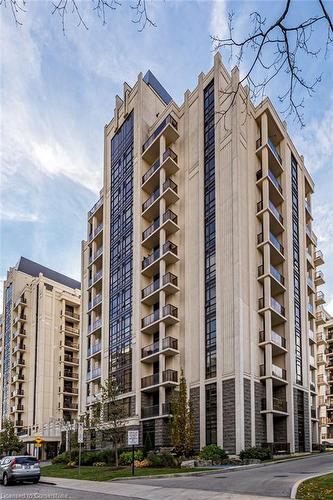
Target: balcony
150,411
150,264
276,244
17,393
312,362
320,298
95,208
168,314
310,234
276,219
322,380
69,406
20,333
18,377
95,255
95,326
150,353
313,413
69,344
71,314
95,349
95,232
321,338
21,318
19,347
321,359
93,398
312,386
97,277
97,300
278,342
18,362
307,206
310,284
150,236
169,379
320,318
275,188
150,208
93,374
70,329
18,423
168,127
70,390
310,309
168,284
277,310
279,406
70,374
311,335
273,154
71,359
21,300
318,258
309,260
277,373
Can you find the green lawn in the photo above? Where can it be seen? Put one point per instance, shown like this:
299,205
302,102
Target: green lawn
318,488
106,473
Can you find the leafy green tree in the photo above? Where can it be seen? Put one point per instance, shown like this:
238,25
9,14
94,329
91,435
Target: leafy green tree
182,423
109,414
9,441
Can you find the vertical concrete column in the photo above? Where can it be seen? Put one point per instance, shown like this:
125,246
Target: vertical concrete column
264,128
162,267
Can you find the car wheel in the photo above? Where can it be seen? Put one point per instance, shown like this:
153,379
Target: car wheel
35,481
5,480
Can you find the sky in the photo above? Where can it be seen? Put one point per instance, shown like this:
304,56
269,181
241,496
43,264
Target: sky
57,93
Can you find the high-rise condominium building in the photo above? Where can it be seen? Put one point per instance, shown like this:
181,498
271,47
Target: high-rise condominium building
199,258
40,348
325,373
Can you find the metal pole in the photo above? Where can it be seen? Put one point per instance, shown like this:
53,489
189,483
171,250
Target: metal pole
133,460
79,458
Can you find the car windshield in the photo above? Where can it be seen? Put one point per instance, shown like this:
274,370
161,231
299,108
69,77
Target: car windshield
26,460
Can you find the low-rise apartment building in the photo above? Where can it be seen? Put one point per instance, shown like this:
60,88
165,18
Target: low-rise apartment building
40,349
200,257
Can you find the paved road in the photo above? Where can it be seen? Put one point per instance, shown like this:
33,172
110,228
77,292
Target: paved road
274,480
45,491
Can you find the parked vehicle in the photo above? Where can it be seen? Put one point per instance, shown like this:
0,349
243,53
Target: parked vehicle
19,468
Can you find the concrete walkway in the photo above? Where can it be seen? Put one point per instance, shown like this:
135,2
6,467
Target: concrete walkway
146,492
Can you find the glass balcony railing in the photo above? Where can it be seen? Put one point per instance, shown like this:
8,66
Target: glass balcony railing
96,231
94,209
94,349
98,252
277,275
94,326
278,404
168,120
277,307
275,181
274,150
96,373
273,239
276,212
150,411
278,340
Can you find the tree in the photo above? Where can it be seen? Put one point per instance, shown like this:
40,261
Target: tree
101,8
182,422
287,46
9,441
109,414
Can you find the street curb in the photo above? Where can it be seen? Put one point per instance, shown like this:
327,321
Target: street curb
300,481
47,482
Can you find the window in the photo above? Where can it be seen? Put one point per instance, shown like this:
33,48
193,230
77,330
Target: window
211,414
210,237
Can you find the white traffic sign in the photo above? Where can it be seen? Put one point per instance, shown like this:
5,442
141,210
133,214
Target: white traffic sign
80,433
132,438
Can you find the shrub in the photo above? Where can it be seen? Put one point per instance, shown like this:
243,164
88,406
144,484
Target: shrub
125,458
214,453
87,457
162,459
140,464
99,464
256,453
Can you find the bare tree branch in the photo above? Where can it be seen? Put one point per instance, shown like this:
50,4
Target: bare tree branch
100,7
280,47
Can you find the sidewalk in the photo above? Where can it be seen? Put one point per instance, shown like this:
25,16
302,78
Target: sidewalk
145,492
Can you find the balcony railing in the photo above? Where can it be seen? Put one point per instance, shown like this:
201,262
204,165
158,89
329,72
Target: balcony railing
70,406
70,390
98,204
70,374
94,326
147,232
310,308
277,371
320,297
69,343
313,413
169,215
167,310
148,290
276,212
96,231
273,239
168,120
151,171
168,153
307,206
150,380
71,359
319,275
96,300
98,252
278,307
274,150
319,255
94,374
151,199
278,404
277,275
170,376
167,343
150,411
94,349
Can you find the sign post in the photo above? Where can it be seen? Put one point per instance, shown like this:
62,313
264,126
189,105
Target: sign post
133,440
80,440
38,444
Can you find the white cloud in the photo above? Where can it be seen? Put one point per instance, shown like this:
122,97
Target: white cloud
17,216
219,19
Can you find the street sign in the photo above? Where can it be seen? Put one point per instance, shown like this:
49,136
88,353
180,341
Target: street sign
80,433
133,438
38,440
